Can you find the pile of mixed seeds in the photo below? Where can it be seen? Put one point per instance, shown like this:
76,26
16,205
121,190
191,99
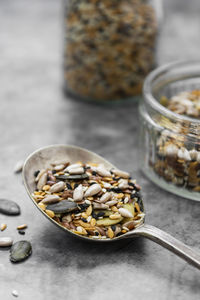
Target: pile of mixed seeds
184,103
89,199
177,154
109,47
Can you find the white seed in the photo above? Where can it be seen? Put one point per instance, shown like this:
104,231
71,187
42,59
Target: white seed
88,202
171,150
50,199
120,173
73,166
101,170
42,181
81,230
126,199
93,190
100,206
193,154
5,241
39,175
123,184
184,154
125,213
3,226
105,197
104,190
59,167
76,171
111,203
57,187
19,166
78,193
15,293
106,185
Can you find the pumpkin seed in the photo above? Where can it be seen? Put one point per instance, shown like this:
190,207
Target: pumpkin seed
73,177
20,251
108,222
9,207
63,206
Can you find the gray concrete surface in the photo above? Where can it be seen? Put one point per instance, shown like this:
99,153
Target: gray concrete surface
34,113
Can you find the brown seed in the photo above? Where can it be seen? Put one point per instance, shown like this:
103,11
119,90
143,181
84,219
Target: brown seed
50,213
137,207
93,222
115,216
23,226
89,210
46,187
110,233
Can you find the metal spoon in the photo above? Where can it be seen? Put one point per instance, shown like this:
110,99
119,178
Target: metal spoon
42,159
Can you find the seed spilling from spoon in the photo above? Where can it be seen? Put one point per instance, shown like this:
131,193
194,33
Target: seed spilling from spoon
89,199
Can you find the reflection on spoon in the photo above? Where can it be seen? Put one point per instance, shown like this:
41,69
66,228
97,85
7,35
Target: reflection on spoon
42,159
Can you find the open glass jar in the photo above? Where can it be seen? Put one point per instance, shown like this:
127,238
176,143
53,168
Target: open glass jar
109,47
170,142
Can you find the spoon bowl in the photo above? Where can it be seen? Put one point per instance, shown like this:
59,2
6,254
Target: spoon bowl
43,158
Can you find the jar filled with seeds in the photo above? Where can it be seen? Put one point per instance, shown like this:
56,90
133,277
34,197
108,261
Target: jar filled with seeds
170,128
109,47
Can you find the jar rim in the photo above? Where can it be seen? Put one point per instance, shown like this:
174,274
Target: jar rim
151,100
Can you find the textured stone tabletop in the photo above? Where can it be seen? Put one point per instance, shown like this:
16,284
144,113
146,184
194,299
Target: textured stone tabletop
34,112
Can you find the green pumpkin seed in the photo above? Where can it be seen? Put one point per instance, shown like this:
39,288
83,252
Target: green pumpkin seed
63,206
108,221
9,207
20,251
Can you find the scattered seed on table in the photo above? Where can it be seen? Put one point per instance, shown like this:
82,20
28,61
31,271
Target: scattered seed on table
3,226
23,226
15,293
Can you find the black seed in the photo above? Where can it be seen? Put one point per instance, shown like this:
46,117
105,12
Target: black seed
69,186
113,227
117,190
96,233
36,173
53,171
92,183
21,231
76,185
84,220
94,173
84,205
94,215
131,184
100,214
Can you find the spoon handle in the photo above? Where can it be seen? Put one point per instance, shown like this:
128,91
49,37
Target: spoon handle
166,240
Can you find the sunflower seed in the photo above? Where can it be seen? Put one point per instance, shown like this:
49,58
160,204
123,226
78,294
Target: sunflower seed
93,190
57,187
19,166
42,181
120,173
105,197
50,199
5,241
78,193
125,213
101,170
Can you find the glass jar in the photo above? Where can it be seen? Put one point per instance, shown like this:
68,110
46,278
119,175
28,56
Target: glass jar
109,47
170,142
